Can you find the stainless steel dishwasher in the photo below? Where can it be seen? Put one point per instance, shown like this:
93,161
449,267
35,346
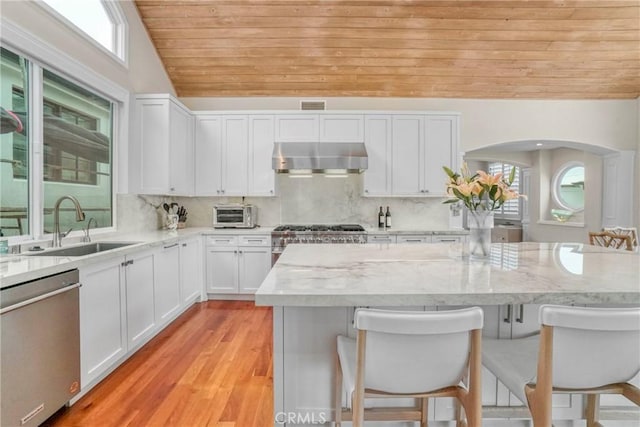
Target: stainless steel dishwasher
40,348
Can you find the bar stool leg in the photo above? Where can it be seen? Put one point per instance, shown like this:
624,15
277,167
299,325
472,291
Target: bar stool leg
424,411
592,410
338,393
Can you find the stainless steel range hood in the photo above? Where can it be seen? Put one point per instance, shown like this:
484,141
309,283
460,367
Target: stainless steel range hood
319,157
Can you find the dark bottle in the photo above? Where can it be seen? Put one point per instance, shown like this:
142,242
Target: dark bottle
381,218
387,218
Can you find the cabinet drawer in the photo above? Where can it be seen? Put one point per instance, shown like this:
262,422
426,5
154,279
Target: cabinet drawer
447,239
381,238
222,240
414,239
254,241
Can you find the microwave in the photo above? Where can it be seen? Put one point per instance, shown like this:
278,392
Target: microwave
235,216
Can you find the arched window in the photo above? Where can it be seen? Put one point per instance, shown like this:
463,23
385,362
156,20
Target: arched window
100,21
568,186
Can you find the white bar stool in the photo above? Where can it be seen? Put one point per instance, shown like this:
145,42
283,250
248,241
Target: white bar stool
410,354
579,350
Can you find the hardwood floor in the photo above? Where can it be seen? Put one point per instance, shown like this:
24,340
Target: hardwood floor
211,367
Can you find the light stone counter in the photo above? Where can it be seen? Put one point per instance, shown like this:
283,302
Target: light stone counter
404,274
414,232
16,269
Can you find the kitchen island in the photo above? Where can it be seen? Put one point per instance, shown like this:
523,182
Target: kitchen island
315,288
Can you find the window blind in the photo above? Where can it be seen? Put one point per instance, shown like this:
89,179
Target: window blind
511,208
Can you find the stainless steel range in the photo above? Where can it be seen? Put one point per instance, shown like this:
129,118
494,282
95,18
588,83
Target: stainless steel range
283,235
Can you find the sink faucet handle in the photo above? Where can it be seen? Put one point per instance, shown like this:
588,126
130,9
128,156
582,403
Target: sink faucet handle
86,237
65,234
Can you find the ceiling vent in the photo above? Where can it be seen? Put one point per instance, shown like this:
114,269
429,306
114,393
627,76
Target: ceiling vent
313,105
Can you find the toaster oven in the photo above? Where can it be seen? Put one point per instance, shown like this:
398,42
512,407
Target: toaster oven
235,216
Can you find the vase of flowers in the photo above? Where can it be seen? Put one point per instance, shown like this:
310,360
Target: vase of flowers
482,194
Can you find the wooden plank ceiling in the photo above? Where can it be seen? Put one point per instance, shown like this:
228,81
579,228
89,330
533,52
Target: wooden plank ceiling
582,49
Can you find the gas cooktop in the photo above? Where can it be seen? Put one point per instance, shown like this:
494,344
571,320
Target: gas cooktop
313,228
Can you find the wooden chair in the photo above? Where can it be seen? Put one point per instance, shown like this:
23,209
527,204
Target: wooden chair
608,239
410,354
625,231
579,350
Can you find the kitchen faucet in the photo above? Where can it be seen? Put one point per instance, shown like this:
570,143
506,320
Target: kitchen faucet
57,235
86,237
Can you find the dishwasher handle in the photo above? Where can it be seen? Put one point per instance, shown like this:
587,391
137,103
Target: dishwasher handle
39,298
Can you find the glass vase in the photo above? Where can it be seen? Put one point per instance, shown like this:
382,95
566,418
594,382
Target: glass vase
480,223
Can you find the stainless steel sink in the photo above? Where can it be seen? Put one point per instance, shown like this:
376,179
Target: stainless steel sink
86,249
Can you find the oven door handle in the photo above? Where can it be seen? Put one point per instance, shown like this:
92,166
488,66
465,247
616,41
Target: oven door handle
40,298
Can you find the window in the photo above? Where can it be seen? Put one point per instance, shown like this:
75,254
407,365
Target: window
14,151
77,150
568,186
102,21
76,156
511,208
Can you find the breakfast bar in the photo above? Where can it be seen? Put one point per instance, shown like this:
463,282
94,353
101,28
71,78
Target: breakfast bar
314,290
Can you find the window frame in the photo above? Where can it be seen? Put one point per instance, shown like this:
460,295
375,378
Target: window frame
42,55
556,181
114,11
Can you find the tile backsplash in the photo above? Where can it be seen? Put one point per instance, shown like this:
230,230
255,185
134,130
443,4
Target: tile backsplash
299,201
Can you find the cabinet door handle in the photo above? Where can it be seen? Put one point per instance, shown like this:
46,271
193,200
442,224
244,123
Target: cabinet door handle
520,318
173,189
184,245
413,240
171,246
255,240
447,240
235,252
508,318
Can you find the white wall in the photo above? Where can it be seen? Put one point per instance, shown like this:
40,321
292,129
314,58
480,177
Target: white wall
612,124
145,72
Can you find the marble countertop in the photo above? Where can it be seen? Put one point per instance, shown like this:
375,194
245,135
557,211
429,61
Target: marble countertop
405,274
414,232
21,268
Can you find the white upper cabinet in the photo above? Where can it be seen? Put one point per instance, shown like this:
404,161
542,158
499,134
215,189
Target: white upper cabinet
407,151
407,159
441,149
233,155
297,128
341,128
235,152
208,158
261,138
162,147
377,177
308,127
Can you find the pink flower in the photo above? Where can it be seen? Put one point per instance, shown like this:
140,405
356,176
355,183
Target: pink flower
489,180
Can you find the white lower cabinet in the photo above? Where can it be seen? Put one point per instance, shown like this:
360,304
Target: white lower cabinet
103,338
166,284
413,239
191,271
237,264
125,301
139,273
